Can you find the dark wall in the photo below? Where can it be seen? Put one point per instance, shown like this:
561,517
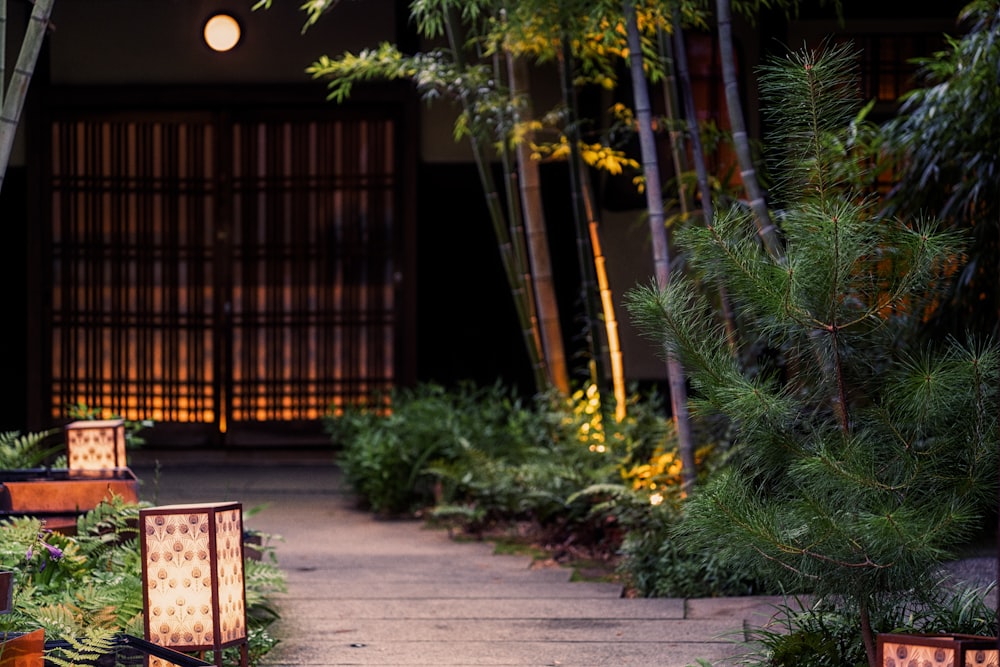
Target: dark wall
467,324
13,268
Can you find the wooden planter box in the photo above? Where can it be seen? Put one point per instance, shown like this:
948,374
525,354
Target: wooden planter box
903,650
22,650
59,496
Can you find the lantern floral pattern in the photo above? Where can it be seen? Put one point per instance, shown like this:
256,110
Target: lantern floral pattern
193,575
914,655
95,444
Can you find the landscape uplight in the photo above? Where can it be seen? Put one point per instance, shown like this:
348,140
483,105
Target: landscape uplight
936,649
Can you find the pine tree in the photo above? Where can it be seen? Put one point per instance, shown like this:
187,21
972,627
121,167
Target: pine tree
862,456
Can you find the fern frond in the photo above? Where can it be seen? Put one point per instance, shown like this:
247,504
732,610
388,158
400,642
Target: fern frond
110,598
28,450
59,620
94,643
110,522
263,580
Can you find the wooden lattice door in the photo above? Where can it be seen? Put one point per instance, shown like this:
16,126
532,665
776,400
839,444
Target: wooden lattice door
222,270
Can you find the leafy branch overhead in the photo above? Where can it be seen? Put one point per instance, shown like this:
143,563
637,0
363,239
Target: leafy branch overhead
484,72
437,78
432,72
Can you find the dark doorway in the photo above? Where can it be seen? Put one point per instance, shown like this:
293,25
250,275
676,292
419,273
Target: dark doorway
221,271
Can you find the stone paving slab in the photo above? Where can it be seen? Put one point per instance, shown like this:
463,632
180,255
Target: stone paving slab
541,607
345,650
759,611
470,565
486,628
562,591
387,569
459,578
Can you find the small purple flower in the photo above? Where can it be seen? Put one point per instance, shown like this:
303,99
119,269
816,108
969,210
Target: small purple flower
54,552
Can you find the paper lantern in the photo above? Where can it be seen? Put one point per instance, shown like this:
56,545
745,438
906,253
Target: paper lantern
194,594
95,444
936,650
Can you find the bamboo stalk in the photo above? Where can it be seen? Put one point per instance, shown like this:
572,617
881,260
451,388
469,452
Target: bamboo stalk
13,97
3,48
661,247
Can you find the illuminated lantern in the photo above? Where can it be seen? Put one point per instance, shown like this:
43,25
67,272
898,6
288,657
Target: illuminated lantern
194,595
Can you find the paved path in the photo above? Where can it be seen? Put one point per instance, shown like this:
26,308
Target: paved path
363,591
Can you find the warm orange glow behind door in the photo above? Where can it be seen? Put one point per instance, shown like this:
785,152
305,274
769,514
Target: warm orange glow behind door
193,288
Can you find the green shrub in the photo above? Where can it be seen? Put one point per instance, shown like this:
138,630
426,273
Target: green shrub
434,446
479,458
654,565
385,451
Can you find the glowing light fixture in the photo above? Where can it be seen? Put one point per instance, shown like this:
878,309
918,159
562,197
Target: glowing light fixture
222,32
194,595
936,649
95,444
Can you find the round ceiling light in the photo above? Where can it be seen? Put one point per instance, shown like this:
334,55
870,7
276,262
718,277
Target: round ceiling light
222,32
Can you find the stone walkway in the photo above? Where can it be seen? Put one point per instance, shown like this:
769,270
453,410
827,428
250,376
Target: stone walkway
363,591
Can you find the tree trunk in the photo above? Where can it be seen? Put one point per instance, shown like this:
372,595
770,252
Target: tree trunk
536,233
3,48
765,228
575,166
607,302
661,247
17,89
678,61
678,153
868,635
